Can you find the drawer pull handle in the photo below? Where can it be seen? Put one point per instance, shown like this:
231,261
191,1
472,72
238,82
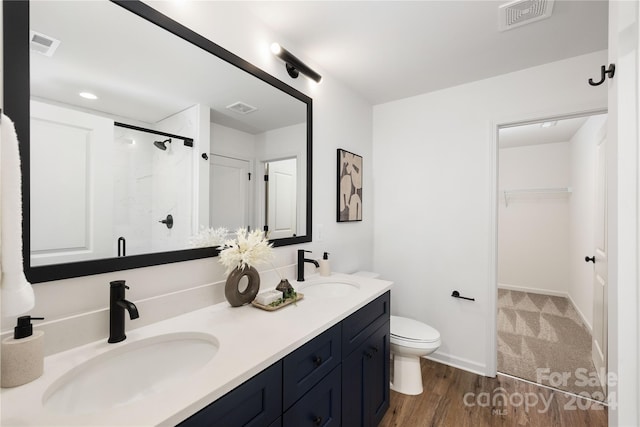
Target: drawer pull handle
317,361
317,421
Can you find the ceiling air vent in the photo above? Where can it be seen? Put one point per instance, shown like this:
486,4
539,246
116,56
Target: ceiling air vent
521,12
241,108
42,43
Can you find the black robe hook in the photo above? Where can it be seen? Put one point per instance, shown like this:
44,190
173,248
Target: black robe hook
603,74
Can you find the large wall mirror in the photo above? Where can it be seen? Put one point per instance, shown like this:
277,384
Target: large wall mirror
137,133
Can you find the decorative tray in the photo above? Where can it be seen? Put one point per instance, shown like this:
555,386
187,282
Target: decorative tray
288,301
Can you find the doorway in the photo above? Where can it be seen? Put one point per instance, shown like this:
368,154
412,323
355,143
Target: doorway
552,306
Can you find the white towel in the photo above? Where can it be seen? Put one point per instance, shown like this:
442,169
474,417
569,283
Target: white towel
17,293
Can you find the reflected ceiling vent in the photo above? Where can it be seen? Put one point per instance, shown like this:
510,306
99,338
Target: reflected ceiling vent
521,12
241,108
42,43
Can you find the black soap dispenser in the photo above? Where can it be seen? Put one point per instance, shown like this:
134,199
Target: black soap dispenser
325,267
22,354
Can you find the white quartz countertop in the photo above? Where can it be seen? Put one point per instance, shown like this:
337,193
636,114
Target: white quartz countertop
250,340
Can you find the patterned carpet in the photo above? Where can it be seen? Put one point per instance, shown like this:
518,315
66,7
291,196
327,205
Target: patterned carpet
541,338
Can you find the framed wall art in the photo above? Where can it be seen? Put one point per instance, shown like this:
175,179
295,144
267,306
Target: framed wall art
349,204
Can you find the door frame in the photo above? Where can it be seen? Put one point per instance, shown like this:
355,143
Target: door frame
494,128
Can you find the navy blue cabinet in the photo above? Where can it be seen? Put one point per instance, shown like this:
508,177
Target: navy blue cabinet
365,381
257,402
360,325
339,378
307,365
321,406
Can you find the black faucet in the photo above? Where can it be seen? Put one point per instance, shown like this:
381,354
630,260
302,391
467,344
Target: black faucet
301,261
116,311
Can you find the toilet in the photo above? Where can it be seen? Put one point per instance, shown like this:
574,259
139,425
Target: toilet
410,340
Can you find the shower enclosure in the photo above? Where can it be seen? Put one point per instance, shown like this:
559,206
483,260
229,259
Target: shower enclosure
152,191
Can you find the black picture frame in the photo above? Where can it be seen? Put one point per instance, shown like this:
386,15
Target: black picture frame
349,187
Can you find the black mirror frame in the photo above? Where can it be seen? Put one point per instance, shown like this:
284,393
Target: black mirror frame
16,86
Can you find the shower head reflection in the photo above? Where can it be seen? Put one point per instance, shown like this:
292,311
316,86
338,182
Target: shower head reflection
162,144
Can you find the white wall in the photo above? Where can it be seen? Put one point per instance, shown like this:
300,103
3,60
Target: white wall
230,142
581,215
533,229
435,189
340,119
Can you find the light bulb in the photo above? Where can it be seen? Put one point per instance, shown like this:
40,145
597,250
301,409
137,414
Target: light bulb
275,48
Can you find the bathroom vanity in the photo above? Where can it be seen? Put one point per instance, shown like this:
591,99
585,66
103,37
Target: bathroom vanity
341,377
322,361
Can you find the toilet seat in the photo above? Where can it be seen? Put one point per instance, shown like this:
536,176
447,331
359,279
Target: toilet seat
409,332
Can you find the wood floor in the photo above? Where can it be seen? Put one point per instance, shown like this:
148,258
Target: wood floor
457,398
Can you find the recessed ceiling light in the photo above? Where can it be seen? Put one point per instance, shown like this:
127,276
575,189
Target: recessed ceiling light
549,124
88,95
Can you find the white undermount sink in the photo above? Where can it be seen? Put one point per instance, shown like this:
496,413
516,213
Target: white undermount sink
130,372
329,288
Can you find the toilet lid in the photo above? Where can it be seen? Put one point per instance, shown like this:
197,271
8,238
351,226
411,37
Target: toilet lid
412,330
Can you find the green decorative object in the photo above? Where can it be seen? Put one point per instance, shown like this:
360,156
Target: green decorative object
232,291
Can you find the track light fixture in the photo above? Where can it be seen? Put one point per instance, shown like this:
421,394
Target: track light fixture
294,65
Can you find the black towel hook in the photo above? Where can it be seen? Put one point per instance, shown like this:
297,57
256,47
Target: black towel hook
610,72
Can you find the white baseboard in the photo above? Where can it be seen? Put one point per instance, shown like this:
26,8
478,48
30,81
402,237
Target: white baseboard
532,290
459,362
584,319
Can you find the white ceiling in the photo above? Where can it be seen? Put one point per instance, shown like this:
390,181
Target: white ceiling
534,134
388,50
384,50
143,72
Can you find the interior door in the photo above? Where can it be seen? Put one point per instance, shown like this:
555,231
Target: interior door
281,206
71,153
600,279
229,192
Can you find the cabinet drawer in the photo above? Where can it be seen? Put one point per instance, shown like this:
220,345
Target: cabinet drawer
257,402
303,368
321,406
357,327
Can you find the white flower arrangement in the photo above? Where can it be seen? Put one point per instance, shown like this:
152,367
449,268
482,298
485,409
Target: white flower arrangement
210,237
248,249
